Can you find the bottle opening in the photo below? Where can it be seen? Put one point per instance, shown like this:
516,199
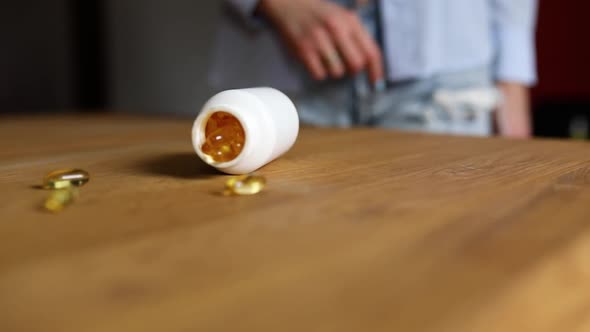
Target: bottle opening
224,137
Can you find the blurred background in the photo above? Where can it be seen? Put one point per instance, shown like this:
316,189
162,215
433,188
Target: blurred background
153,56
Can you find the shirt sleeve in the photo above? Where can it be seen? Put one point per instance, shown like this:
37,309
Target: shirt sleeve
513,26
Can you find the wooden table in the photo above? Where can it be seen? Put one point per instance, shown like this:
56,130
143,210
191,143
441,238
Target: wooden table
358,230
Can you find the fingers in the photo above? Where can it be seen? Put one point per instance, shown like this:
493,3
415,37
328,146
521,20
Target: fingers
320,55
370,50
329,53
338,45
353,56
358,48
311,59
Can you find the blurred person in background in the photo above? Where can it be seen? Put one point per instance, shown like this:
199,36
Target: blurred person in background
422,65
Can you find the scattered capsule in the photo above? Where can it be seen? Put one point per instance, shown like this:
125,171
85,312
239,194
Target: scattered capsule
65,178
59,199
244,185
224,137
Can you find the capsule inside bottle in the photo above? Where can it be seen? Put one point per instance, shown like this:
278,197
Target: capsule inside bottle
224,137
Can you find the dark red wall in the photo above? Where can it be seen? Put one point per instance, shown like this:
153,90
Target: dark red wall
563,50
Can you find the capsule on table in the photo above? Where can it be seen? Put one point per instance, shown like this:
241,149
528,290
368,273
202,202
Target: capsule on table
244,185
65,178
59,199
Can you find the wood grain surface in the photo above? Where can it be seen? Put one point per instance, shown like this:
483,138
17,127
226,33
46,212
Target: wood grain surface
358,230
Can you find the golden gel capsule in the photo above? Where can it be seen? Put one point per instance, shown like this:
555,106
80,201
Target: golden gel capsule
244,185
65,178
59,199
224,137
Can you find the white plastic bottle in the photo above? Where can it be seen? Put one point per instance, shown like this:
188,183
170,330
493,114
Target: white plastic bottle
269,120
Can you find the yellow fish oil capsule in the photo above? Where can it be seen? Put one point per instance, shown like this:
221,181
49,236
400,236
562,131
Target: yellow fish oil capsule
59,199
244,185
224,137
65,178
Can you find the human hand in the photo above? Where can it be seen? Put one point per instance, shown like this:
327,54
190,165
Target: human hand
513,115
328,38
